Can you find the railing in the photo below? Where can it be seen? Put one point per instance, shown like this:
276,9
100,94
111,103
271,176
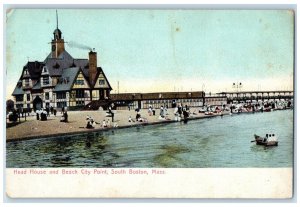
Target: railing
261,97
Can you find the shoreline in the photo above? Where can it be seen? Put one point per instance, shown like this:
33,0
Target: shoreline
75,126
83,130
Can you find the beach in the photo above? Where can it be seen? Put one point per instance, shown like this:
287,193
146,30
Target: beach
33,128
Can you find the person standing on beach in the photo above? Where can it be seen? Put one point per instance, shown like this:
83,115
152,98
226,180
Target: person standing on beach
185,116
48,111
179,110
112,116
161,111
150,110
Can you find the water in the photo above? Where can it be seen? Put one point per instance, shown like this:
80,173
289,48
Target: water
214,142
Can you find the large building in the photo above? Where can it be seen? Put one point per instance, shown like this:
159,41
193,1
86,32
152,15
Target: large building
156,100
61,80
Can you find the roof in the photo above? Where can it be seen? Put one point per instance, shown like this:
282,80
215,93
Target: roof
64,60
37,86
67,79
18,91
243,92
104,77
34,69
157,96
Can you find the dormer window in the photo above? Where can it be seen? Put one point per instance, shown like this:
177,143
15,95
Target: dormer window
46,80
56,66
27,84
45,70
26,72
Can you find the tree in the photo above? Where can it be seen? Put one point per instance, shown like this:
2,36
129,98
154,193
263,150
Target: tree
10,105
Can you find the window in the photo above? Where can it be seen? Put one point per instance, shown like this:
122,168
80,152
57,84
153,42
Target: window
19,98
79,103
47,96
61,95
79,93
61,104
26,82
101,82
46,80
19,106
79,82
28,97
44,70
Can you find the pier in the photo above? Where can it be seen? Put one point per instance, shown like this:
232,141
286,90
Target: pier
257,95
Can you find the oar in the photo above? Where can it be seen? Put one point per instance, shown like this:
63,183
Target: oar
253,141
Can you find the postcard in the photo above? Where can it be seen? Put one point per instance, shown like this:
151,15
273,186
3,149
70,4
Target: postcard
146,103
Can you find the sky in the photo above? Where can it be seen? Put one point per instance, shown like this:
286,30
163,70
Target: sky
163,50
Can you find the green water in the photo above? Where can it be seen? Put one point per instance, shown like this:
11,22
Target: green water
214,142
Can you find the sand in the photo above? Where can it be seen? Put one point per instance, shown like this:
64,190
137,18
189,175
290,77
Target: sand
32,128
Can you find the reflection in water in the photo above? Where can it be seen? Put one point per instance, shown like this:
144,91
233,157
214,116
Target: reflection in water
214,142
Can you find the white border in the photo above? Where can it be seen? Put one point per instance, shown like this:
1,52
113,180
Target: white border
205,4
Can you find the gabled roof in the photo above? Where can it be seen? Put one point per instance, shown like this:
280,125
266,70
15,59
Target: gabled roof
34,69
18,91
67,79
37,85
99,70
65,60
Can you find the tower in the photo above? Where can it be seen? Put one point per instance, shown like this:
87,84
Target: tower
57,43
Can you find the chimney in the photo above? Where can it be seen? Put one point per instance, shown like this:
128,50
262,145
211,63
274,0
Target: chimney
92,66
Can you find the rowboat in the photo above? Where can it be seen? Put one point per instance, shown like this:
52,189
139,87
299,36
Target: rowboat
269,140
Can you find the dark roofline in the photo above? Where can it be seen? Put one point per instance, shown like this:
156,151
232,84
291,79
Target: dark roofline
241,92
105,78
